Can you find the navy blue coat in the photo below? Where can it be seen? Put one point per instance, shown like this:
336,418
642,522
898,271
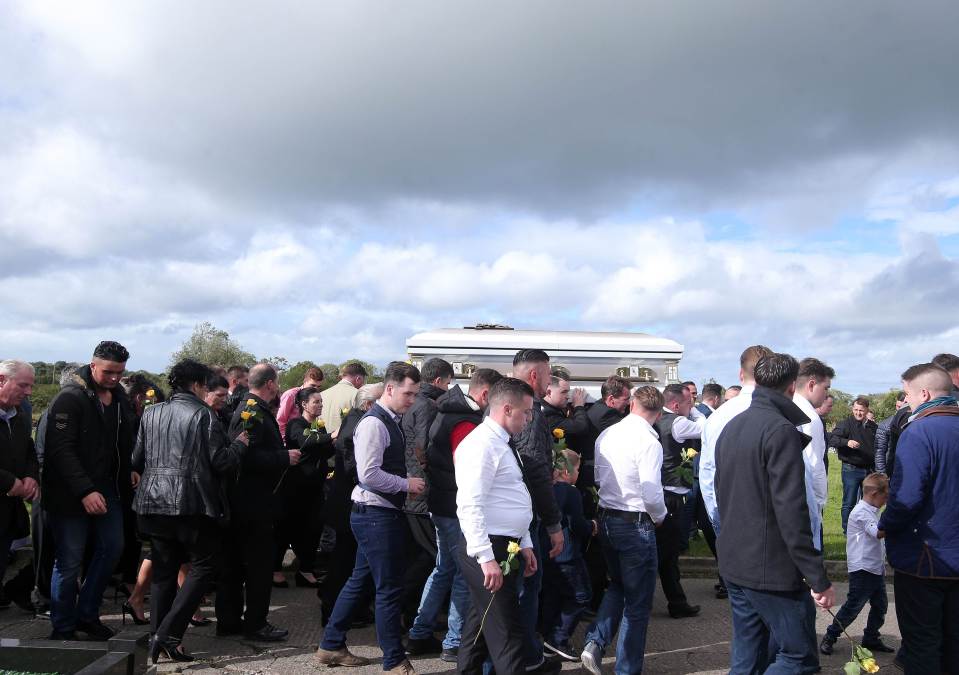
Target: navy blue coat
922,530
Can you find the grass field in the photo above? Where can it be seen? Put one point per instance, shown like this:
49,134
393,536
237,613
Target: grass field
835,542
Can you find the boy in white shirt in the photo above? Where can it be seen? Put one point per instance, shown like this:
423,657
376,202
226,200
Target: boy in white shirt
865,557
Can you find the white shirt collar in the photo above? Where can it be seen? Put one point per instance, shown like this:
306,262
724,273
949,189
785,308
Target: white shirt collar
497,429
392,414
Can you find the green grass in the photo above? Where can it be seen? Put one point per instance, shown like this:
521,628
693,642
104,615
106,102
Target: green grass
835,541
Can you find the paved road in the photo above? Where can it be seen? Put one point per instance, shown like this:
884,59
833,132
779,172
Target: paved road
698,645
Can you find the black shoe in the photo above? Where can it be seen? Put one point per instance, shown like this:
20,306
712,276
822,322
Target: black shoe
562,649
450,654
420,647
269,633
548,666
825,647
877,646
303,582
127,608
683,611
170,647
63,635
95,630
722,593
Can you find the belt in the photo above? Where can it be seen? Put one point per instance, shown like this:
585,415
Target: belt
363,508
628,516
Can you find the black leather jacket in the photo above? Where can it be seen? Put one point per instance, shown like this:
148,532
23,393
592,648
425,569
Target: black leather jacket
182,451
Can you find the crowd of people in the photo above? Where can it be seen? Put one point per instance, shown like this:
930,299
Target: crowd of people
513,507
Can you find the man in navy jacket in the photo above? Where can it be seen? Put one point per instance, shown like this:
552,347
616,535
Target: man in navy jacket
922,531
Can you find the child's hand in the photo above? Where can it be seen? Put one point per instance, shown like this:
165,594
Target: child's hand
880,534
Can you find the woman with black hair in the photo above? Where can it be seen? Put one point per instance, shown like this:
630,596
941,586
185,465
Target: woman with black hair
182,453
300,525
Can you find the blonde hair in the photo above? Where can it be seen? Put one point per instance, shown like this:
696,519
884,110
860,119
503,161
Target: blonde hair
875,484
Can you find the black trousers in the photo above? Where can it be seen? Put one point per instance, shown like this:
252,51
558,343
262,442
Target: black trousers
502,634
420,561
175,540
247,574
300,524
668,545
928,615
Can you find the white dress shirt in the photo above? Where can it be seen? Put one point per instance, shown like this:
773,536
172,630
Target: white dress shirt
684,429
816,480
491,497
707,457
629,460
864,549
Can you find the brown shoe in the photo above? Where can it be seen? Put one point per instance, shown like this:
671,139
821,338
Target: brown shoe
341,657
405,668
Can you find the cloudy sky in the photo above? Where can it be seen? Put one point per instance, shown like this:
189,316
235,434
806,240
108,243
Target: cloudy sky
323,180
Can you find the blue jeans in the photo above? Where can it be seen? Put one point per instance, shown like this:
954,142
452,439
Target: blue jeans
566,595
778,618
70,535
381,535
631,560
863,587
529,598
852,478
444,579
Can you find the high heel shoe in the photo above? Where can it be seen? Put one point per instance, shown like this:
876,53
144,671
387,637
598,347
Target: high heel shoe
127,608
302,581
170,648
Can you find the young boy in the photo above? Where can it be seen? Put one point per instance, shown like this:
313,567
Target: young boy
566,587
865,556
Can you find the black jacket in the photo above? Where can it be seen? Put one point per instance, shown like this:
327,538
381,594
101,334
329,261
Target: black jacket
452,409
79,458
672,451
864,433
416,424
535,446
337,509
887,438
761,488
576,427
253,493
601,417
316,448
182,453
18,460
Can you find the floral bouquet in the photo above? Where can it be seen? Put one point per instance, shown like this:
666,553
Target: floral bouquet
250,415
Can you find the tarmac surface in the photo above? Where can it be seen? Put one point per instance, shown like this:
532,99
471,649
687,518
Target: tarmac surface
697,645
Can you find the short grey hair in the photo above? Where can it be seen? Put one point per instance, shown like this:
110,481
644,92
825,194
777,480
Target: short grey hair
66,375
369,393
11,367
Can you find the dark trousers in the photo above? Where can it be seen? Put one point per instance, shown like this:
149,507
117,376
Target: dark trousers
338,572
781,619
43,550
129,564
247,573
668,545
928,614
69,602
852,477
176,540
380,534
566,596
420,561
863,587
300,524
503,632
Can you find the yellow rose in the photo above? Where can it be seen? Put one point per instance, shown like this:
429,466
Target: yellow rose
513,548
690,453
320,424
345,411
559,434
245,415
151,393
870,665
251,401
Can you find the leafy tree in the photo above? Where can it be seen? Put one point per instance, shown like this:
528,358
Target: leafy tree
279,362
214,347
331,374
293,376
883,405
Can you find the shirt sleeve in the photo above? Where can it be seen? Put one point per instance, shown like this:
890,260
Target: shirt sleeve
287,404
685,428
707,475
649,463
368,446
475,470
